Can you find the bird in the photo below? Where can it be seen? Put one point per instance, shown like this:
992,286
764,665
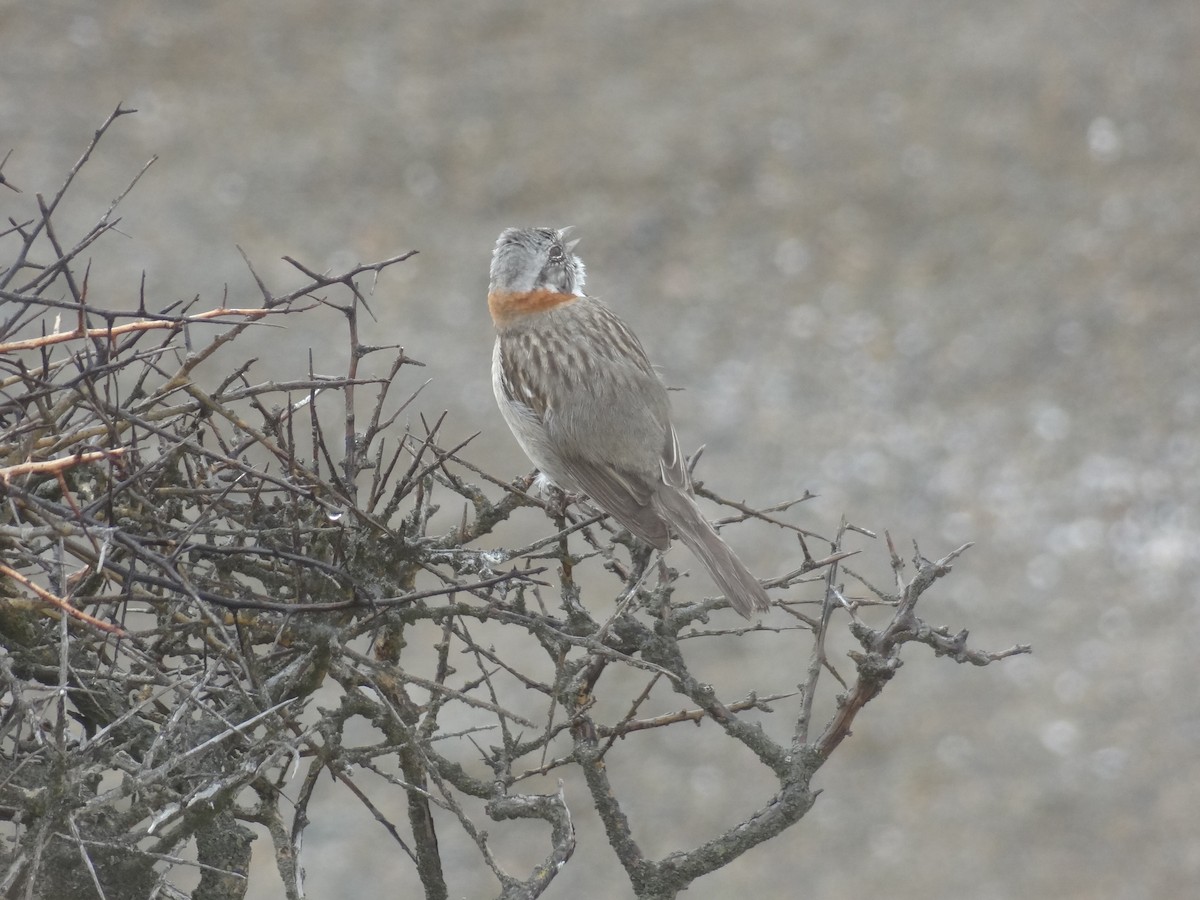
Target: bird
592,414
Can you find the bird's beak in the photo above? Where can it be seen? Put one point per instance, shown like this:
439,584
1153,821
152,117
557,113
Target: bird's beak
562,236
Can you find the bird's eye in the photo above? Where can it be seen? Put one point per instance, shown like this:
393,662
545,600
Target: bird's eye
556,254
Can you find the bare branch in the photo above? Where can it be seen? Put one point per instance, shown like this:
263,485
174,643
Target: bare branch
218,588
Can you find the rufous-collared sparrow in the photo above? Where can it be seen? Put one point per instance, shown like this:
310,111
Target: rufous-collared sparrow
588,409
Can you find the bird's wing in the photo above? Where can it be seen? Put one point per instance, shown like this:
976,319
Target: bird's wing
672,465
623,495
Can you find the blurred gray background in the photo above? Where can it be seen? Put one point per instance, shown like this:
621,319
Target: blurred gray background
935,261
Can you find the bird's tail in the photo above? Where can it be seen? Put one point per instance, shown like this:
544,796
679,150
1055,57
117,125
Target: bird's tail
740,587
